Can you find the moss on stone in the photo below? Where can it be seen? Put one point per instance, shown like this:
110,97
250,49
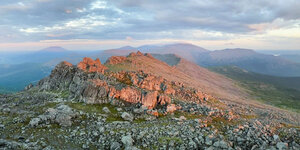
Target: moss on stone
98,109
166,140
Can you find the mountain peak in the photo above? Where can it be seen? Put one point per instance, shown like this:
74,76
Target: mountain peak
239,50
183,44
127,48
54,49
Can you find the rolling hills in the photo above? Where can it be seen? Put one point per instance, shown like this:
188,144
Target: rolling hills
251,61
282,92
244,58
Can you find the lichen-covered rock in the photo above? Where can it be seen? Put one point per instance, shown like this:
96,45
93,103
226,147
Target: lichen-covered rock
126,116
28,87
106,110
61,115
115,146
35,122
282,145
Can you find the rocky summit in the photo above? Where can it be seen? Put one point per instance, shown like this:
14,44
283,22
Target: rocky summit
134,103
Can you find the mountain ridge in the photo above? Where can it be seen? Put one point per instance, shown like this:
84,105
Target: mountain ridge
142,99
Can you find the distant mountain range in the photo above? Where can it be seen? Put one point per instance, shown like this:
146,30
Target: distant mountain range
251,61
292,55
244,58
187,51
41,56
40,63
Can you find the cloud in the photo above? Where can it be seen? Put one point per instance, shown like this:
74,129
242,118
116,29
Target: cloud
36,20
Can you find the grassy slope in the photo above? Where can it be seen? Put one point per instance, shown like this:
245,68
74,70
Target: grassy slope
185,72
283,92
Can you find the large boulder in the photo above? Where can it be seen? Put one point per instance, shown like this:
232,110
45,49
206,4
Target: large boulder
61,115
126,116
91,65
149,100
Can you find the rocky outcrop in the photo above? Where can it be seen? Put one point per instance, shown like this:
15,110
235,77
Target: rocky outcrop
92,82
150,99
129,94
28,87
171,108
91,65
145,81
164,99
115,60
67,63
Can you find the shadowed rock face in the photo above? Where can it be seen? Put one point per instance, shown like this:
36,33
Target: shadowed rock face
92,82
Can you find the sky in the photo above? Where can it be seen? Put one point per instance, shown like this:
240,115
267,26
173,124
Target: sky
99,24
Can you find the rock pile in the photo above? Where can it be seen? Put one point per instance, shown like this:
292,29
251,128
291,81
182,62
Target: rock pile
61,115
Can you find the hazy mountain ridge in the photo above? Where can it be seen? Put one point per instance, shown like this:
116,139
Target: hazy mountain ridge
41,56
244,58
292,57
15,77
252,61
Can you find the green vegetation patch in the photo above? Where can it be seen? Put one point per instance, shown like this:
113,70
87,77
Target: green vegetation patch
221,123
188,116
62,94
139,120
248,116
119,67
97,108
282,92
43,108
166,140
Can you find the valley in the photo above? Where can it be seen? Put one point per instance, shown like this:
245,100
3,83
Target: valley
14,78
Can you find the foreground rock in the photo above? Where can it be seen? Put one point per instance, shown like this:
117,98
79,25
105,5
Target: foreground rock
77,125
61,115
126,116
